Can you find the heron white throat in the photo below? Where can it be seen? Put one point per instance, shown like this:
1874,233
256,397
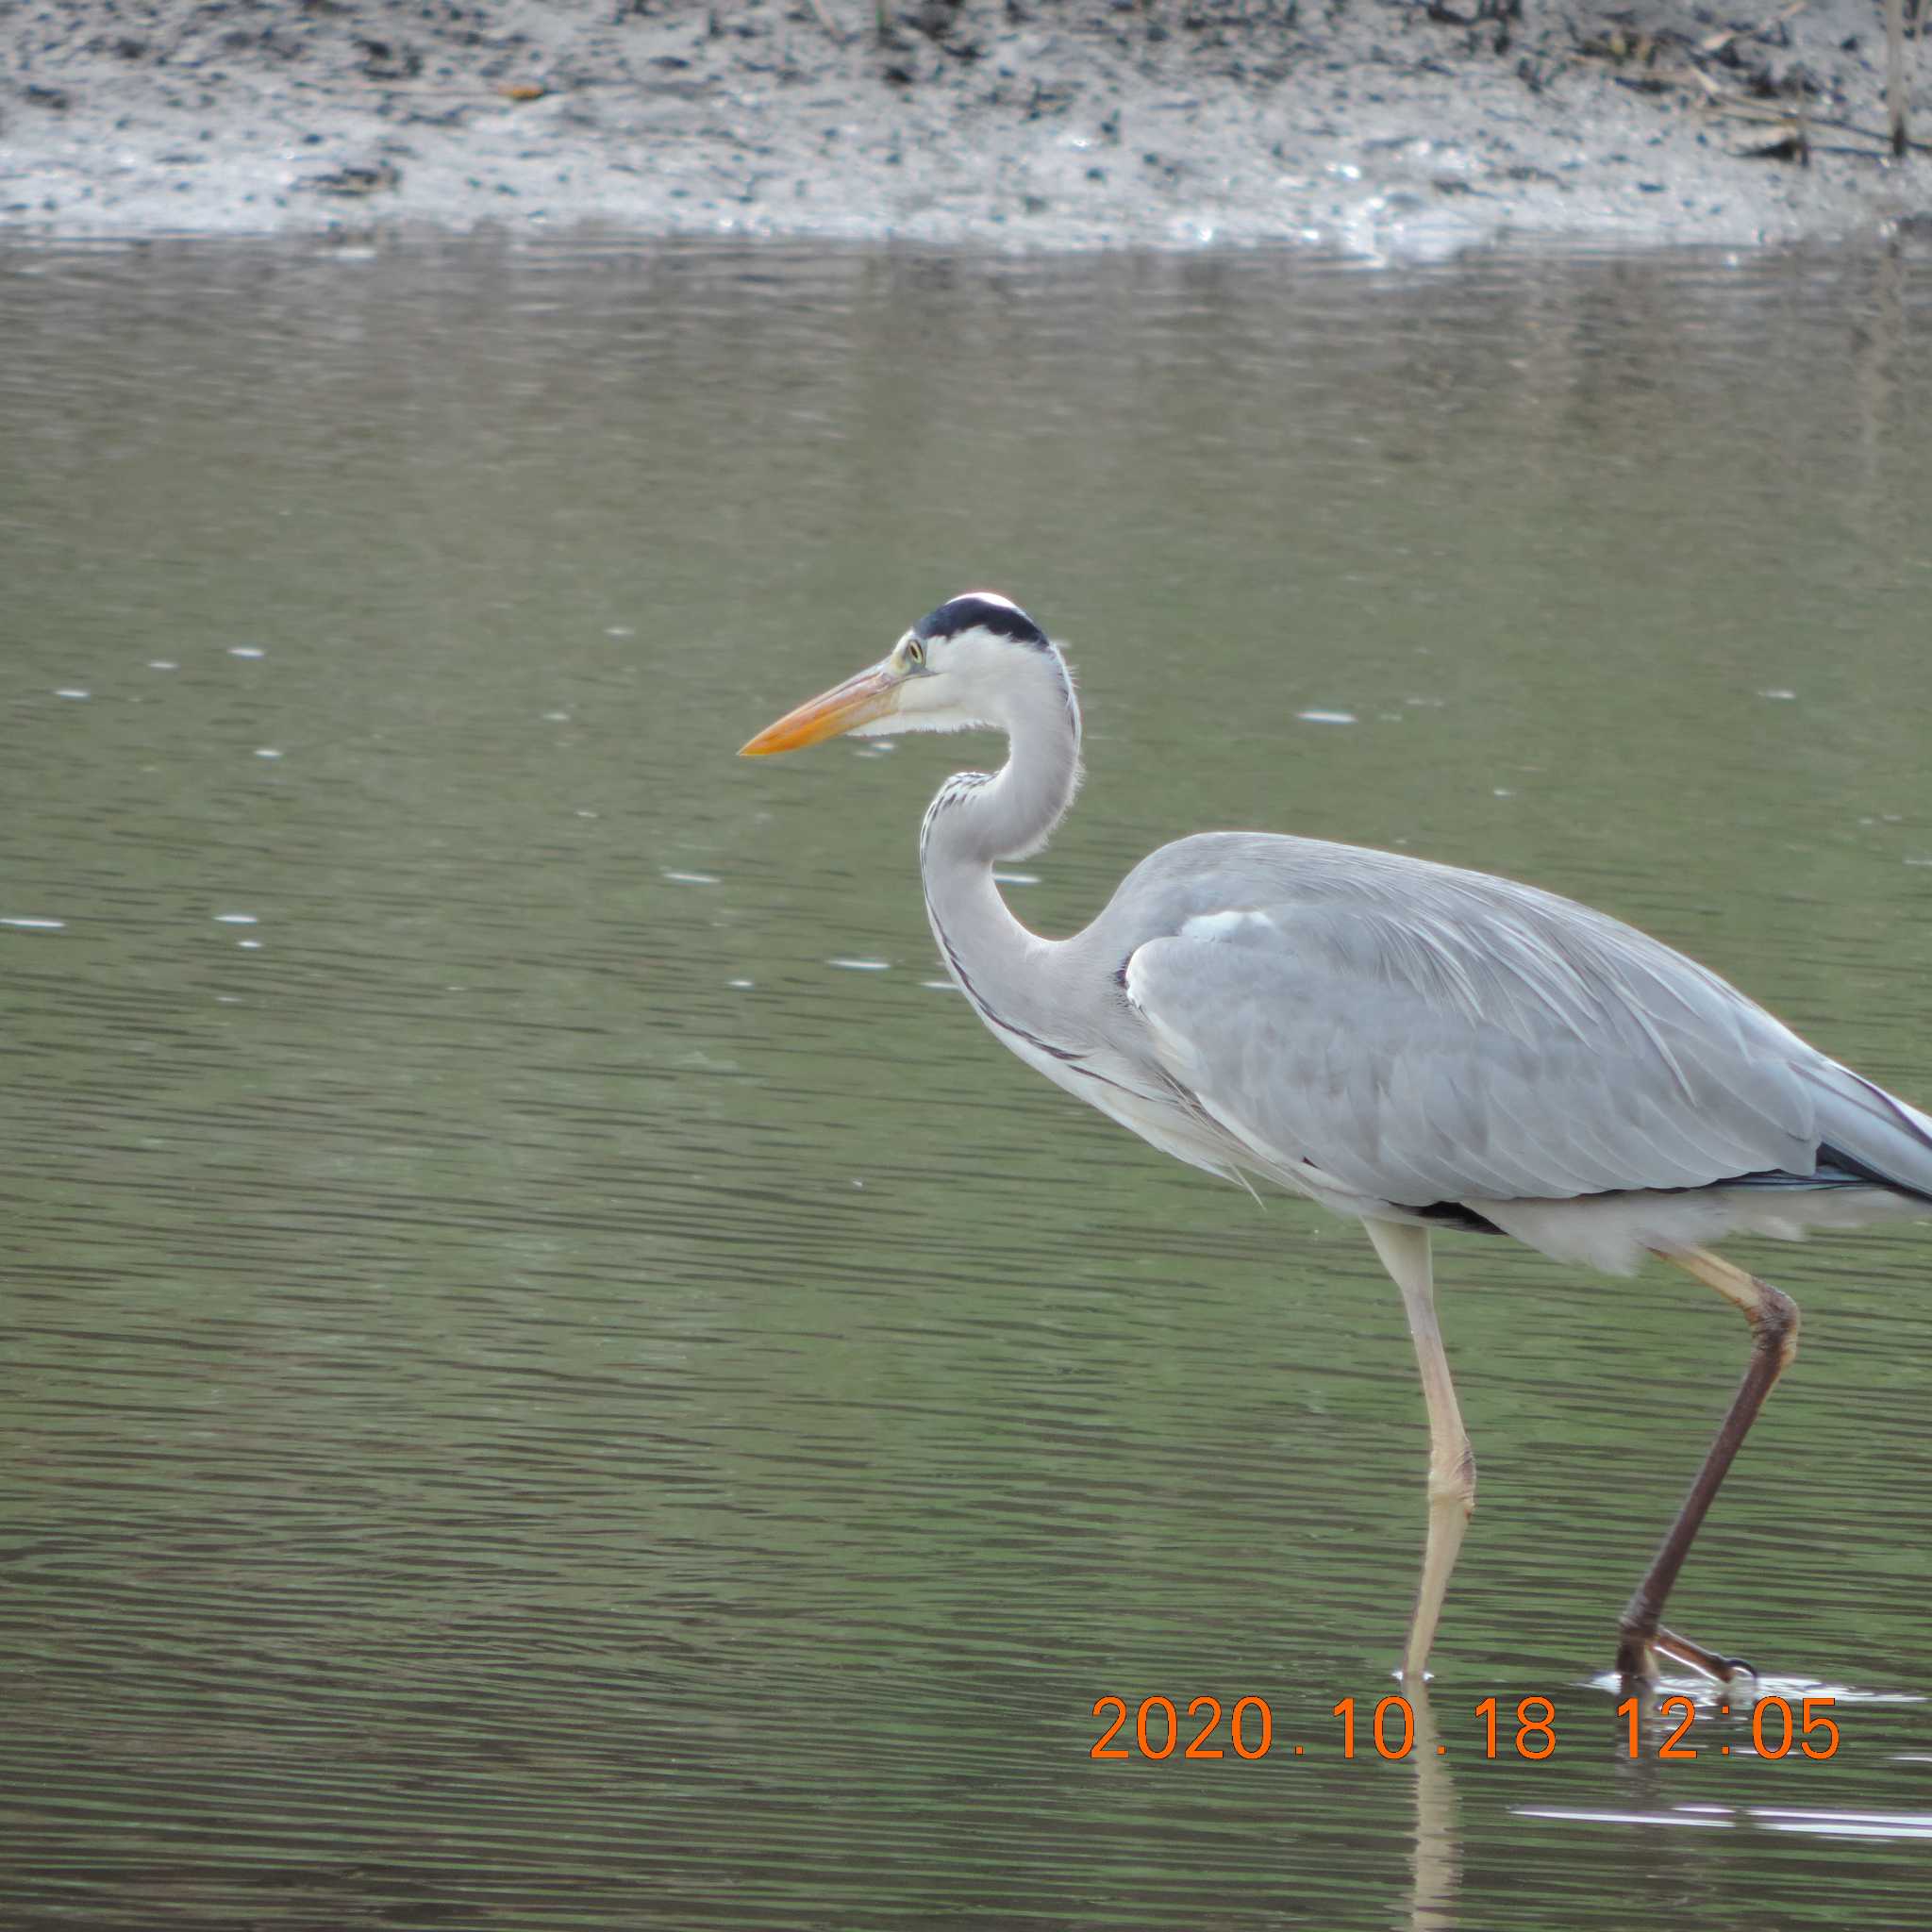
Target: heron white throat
1412,1044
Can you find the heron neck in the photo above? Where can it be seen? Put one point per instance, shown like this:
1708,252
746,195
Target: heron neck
976,819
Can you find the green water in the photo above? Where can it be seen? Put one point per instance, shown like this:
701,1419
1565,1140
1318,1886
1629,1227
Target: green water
533,1395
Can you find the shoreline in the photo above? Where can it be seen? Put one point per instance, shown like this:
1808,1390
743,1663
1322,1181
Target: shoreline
1364,128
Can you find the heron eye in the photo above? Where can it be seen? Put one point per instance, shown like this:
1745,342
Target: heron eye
915,654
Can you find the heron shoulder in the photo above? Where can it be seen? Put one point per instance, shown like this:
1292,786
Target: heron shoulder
1257,887
1391,914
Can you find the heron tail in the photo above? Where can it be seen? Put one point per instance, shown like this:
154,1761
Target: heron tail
1868,1138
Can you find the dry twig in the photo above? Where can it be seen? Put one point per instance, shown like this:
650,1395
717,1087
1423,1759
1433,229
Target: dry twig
1716,44
1895,72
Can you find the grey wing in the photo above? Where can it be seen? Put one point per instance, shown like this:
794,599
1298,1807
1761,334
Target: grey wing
1445,1037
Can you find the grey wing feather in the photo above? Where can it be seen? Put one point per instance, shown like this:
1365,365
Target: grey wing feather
1420,1034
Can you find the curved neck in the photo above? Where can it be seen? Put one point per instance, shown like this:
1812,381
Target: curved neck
975,820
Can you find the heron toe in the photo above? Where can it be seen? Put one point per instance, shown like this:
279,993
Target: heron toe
1637,1652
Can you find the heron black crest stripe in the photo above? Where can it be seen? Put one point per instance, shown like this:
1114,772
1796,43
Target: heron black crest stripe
982,610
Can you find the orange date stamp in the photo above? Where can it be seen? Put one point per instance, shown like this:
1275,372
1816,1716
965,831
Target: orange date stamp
1157,1729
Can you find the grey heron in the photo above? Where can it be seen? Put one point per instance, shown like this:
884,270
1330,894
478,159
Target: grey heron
1409,1044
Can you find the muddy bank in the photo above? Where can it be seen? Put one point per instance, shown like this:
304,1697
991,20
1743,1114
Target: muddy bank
1369,127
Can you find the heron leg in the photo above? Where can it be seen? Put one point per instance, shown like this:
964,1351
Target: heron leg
1405,1252
1774,1319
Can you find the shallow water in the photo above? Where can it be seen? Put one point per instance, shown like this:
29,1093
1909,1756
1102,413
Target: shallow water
552,1377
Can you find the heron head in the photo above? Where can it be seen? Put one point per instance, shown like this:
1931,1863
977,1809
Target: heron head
955,668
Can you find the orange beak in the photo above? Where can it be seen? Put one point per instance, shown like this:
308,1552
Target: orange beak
857,701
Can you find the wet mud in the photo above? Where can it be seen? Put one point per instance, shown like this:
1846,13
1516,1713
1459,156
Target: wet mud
1370,128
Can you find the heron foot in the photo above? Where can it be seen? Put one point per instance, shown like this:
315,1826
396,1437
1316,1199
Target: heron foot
1637,1650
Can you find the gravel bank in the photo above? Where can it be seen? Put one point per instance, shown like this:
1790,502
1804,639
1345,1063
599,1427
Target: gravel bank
1375,127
